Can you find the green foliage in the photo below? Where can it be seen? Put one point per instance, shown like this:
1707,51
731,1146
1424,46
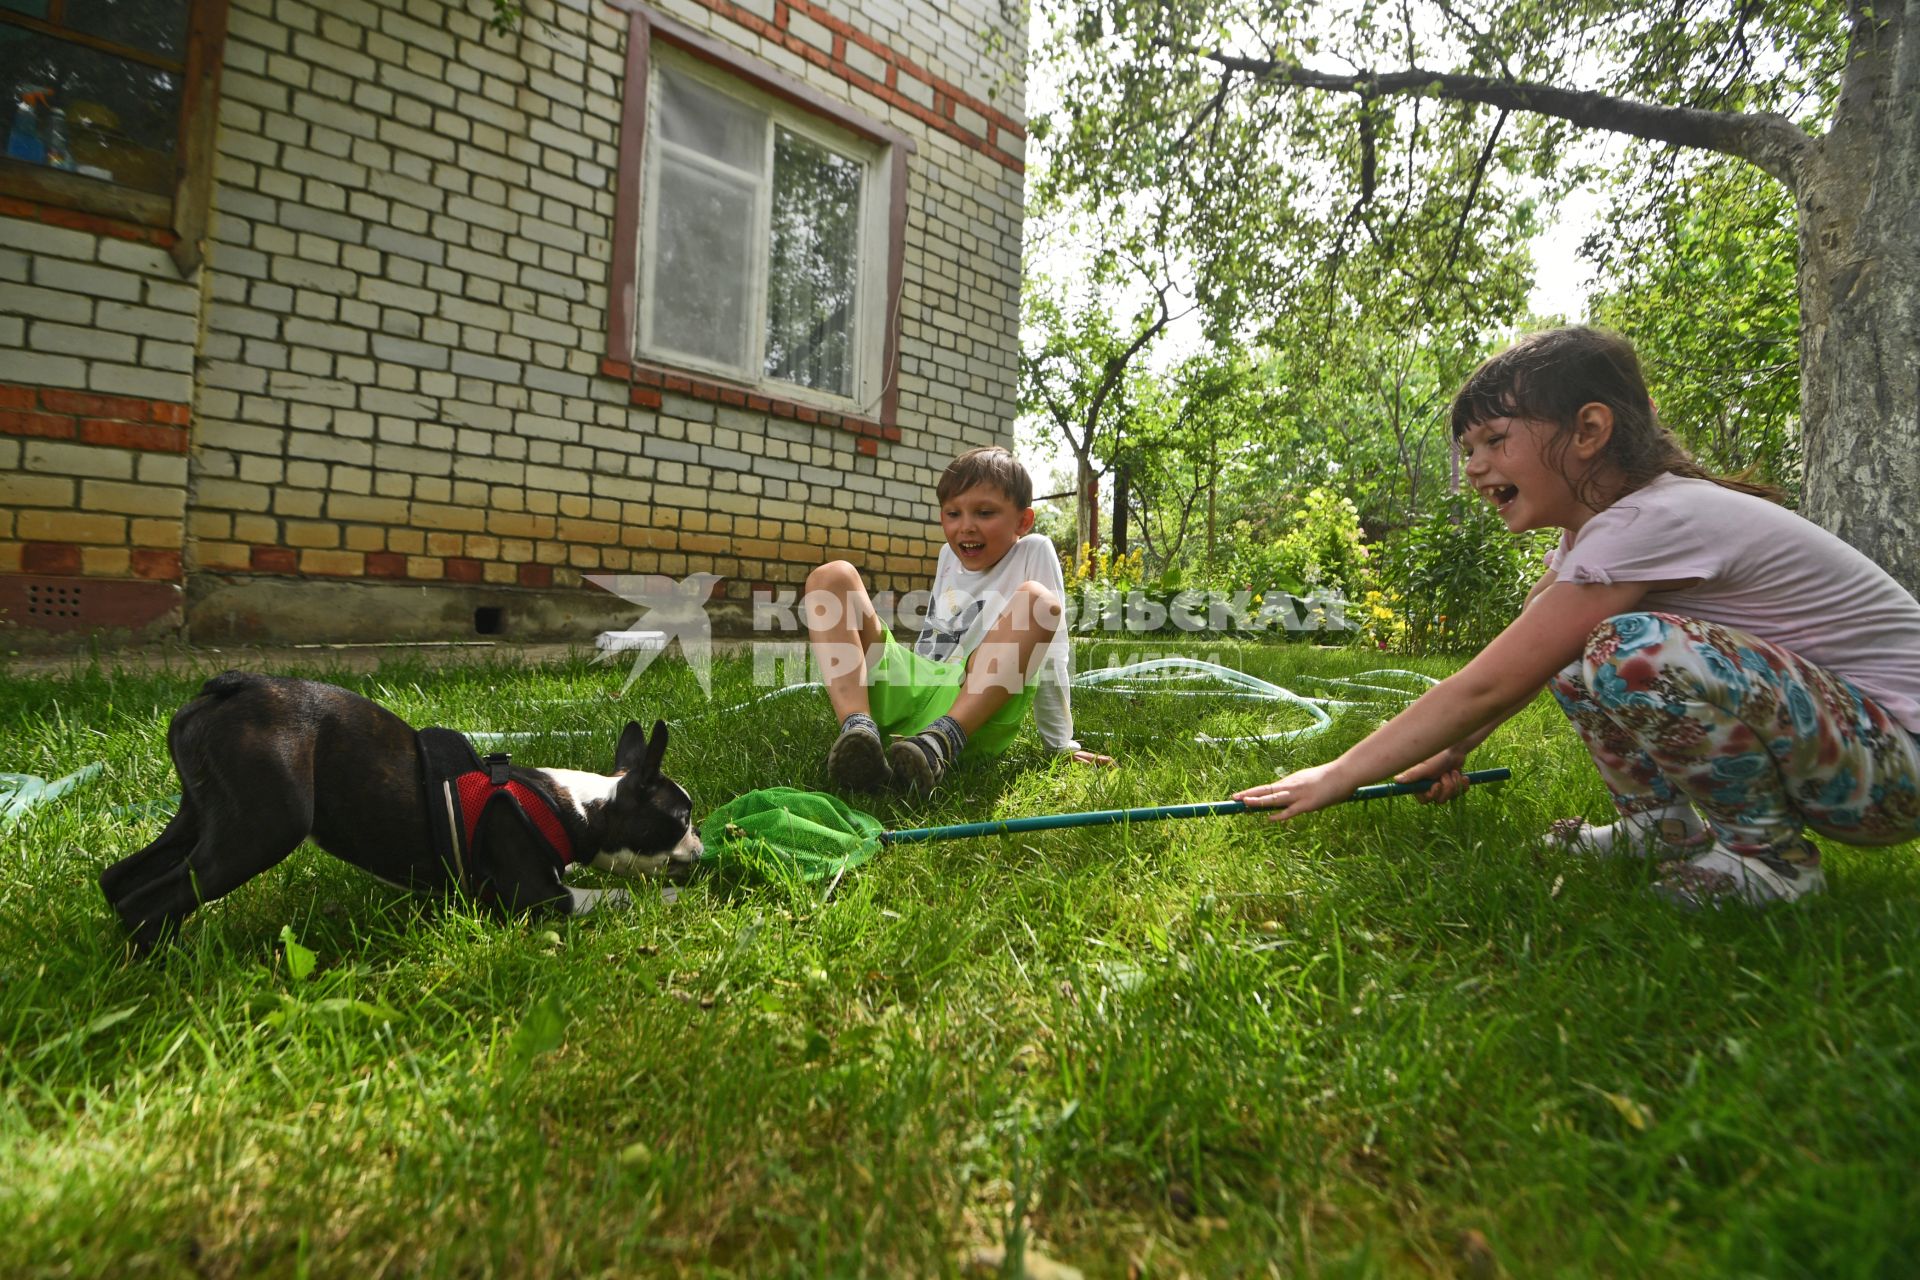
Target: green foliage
506,16
1321,545
1459,577
300,959
1261,564
1369,229
1708,292
1326,542
1081,371
542,1031
1187,449
1293,210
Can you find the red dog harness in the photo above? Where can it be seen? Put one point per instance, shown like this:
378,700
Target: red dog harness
480,787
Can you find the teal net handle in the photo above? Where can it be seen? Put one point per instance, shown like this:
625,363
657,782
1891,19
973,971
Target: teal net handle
1156,813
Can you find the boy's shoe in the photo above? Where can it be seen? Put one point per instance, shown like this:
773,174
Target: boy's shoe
1720,876
921,761
857,761
916,763
1636,837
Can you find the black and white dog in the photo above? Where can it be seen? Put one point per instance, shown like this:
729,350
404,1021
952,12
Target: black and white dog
265,762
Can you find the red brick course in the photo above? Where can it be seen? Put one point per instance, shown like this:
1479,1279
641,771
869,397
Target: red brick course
276,559
946,97
648,381
386,564
122,422
162,566
61,558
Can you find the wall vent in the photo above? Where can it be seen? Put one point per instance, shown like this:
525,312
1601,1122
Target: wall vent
48,602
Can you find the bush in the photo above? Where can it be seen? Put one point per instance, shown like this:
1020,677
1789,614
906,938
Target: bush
1322,547
1312,582
1459,576
1115,595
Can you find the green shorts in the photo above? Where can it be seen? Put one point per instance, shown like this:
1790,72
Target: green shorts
908,692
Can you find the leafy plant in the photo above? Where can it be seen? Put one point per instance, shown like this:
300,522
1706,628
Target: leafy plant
1321,544
506,16
1324,545
1459,577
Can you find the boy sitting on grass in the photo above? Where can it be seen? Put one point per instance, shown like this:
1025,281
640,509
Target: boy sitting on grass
991,646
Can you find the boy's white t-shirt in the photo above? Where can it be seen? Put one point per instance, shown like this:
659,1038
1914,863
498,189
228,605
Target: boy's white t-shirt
966,602
1764,570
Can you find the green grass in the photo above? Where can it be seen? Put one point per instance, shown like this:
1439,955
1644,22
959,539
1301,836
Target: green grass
1383,1040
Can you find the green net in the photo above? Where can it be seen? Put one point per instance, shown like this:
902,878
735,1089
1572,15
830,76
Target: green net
783,833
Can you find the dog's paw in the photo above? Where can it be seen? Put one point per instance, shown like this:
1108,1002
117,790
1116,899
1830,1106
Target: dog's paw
587,901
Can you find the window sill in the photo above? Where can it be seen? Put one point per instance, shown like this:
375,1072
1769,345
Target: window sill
38,184
649,382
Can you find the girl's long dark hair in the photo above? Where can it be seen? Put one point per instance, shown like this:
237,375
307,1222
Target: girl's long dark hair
1548,376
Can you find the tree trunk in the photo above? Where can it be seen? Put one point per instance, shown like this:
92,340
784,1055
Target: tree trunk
1213,489
1860,409
1859,203
1121,477
1086,509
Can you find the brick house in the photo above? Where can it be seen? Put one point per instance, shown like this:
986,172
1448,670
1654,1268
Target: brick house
359,320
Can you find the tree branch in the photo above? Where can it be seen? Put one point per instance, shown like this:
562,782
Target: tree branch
1212,108
1473,195
1116,365
1770,141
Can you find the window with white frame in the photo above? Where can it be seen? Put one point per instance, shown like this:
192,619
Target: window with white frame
762,247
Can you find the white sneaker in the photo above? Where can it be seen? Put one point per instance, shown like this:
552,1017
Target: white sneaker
1640,836
1720,875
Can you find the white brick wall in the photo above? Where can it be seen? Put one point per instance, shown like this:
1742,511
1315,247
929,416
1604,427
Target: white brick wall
399,349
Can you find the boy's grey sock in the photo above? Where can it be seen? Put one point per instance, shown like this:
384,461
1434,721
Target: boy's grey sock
857,761
923,759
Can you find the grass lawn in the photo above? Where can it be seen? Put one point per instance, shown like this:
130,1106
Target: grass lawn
1382,1040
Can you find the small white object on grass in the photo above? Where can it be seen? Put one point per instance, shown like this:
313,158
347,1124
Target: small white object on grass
629,641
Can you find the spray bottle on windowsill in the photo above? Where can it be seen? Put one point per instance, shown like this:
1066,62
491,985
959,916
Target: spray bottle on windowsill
24,141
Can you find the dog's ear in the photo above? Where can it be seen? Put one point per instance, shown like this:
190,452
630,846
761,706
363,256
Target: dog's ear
636,754
656,749
630,755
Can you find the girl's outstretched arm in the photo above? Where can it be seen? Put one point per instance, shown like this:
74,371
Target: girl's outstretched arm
1547,636
1445,768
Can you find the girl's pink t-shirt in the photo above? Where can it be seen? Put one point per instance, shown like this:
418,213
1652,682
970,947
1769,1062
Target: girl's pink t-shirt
1764,570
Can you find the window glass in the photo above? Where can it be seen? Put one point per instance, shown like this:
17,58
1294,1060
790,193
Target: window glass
751,252
156,26
718,127
121,117
813,267
32,8
703,271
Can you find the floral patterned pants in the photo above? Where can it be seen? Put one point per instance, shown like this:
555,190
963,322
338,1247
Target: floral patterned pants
1760,741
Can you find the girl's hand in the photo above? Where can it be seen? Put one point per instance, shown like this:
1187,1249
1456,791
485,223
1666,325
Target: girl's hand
1094,758
1299,792
1449,782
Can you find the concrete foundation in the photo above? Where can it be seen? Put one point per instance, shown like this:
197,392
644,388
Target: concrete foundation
266,610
